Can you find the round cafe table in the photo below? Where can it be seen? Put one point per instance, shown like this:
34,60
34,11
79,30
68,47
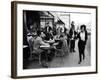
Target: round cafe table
48,50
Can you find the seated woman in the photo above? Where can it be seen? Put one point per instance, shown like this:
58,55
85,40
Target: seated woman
65,46
60,42
62,46
58,46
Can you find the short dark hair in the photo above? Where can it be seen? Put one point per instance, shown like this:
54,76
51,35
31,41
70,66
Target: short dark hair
72,21
38,32
83,26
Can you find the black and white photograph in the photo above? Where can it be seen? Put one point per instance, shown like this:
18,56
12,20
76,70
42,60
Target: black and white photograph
54,39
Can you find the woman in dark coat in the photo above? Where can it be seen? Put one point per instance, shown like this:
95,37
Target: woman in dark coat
82,42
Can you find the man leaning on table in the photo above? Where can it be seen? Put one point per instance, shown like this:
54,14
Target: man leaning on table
36,47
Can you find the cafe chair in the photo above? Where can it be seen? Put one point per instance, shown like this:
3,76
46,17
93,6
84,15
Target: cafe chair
30,43
34,54
59,53
63,50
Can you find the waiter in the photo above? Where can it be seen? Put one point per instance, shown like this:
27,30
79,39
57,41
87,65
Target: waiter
47,27
48,32
72,34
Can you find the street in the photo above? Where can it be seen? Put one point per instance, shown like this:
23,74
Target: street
69,60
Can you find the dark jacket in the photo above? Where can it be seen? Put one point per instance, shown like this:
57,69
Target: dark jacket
86,37
71,33
48,36
49,28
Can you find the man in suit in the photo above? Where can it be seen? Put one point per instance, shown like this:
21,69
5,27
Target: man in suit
72,34
48,32
47,27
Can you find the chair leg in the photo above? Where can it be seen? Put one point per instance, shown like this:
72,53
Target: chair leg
57,54
39,59
31,56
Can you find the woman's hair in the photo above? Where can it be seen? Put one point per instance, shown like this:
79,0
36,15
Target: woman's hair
61,36
83,26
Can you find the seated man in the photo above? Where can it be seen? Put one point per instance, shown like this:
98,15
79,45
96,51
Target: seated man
36,47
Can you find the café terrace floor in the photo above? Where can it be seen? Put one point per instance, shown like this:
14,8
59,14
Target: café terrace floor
69,60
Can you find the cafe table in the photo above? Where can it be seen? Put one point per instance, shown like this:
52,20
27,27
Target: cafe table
47,48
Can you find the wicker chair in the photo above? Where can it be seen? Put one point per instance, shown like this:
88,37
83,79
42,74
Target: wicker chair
63,50
34,54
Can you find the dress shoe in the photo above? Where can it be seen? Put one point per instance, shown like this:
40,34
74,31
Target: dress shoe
79,62
74,51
